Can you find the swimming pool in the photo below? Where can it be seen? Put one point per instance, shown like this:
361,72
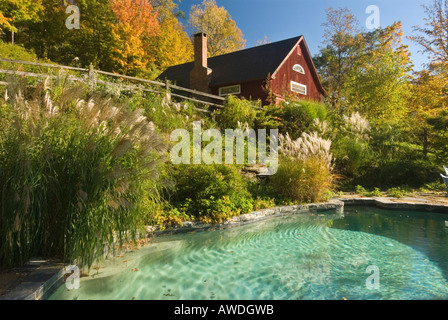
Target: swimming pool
365,253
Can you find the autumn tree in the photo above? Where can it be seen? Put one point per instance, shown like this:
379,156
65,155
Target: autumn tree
15,12
171,46
223,34
433,37
378,85
341,51
430,89
367,72
429,100
136,24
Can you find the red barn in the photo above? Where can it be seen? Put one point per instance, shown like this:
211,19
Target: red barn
268,72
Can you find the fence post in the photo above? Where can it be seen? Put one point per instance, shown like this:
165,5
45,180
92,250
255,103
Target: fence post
91,77
167,86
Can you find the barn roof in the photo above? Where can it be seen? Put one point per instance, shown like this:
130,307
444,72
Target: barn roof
239,66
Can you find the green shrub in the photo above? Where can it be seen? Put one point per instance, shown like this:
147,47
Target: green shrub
209,193
361,190
375,193
434,186
394,161
296,117
15,52
350,146
264,203
409,169
397,192
236,113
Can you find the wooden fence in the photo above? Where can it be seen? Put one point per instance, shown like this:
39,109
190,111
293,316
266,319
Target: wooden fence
142,84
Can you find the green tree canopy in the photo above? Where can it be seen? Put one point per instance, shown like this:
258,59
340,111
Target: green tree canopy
16,11
365,72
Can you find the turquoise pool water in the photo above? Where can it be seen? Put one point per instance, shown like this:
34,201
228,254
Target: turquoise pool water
305,256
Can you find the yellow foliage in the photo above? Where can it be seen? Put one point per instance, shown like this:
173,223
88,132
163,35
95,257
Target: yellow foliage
223,34
172,45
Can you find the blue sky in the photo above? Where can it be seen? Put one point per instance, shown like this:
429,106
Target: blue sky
283,19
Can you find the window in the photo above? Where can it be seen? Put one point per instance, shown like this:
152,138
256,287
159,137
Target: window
224,91
298,68
299,88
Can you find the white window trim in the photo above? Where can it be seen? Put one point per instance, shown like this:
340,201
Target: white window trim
293,83
298,68
226,94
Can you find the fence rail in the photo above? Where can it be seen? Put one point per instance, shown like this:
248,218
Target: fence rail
196,96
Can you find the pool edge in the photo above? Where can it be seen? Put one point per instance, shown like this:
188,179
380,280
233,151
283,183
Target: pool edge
32,290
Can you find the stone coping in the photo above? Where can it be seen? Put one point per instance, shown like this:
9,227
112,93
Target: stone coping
49,274
42,277
389,203
254,216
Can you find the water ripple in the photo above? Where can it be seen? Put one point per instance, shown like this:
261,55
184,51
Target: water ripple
287,258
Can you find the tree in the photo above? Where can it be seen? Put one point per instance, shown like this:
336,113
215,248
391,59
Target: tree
171,46
136,24
13,12
433,37
223,34
341,51
378,85
92,43
430,98
365,72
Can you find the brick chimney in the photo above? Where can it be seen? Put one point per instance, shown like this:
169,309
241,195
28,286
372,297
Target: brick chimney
199,75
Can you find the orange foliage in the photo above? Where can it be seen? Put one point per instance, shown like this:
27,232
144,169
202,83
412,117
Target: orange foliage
136,24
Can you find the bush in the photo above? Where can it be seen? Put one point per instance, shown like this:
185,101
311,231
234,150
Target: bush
236,113
16,52
397,192
351,146
413,171
434,186
166,114
263,203
376,192
209,193
305,169
303,181
296,117
74,175
361,191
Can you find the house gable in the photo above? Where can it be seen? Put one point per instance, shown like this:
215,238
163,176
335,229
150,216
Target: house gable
297,76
